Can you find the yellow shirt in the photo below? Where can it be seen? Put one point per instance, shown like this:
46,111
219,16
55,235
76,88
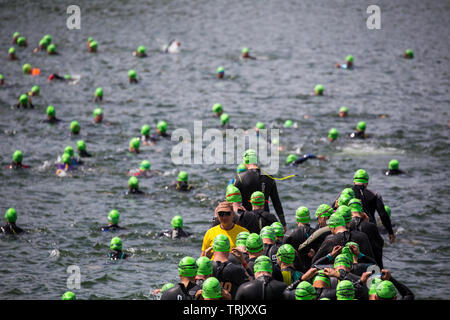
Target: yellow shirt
208,239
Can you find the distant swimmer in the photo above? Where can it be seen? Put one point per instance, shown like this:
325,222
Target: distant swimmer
409,54
16,36
12,54
360,132
88,42
51,50
333,134
66,165
98,115
348,63
116,252
17,161
217,109
35,91
22,41
225,120
161,129
81,148
187,270
133,186
2,80
394,168
132,76
343,112
318,90
55,76
220,72
113,222
146,138
173,47
10,227
177,229
93,46
24,102
141,52
134,145
75,128
98,95
294,160
69,295
182,183
246,55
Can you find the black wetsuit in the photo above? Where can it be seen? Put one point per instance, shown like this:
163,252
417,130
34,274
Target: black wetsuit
252,180
255,220
181,186
117,255
313,242
357,135
15,165
235,260
174,233
289,293
84,154
134,191
230,275
262,288
361,290
11,228
28,105
303,159
295,238
375,239
394,172
152,138
340,239
180,292
52,120
357,268
112,227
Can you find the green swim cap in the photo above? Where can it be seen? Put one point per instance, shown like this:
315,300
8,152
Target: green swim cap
286,253
217,108
257,198
11,215
98,112
336,221
394,164
305,291
162,126
69,150
348,253
23,99
211,289
69,295
388,210
241,168
361,176
1,77
333,134
321,276
43,43
141,49
51,48
344,199
345,290
355,205
260,125
318,89
386,290
187,267
344,212
167,286
348,191
81,146
254,243
145,165
21,41
48,38
133,182
324,210
16,34
342,260
145,130
250,157
113,216
116,244
241,238
67,76
35,89
65,158
26,68
263,264
233,194
288,123
98,92
278,229
75,127
132,74
224,118
182,176
302,215
245,50
374,285
135,143
267,233
204,265
361,126
93,44
177,222
90,39
349,58
17,156
291,158
409,53
343,109
51,111
220,70
11,50
221,243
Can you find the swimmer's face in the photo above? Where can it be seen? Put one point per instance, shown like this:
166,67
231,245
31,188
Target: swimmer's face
220,75
98,119
342,114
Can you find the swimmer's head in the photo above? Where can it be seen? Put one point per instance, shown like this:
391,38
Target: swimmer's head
288,123
113,216
161,127
263,264
394,164
182,176
254,243
67,76
17,156
141,50
145,130
134,145
145,165
16,35
302,215
233,194
22,42
69,150
217,108
241,238
116,244
345,290
257,199
132,74
205,266
12,51
187,267
250,157
336,221
361,176
220,72
81,145
333,134
343,112
259,125
267,233
211,289
361,126
348,191
23,99
321,276
177,222
90,39
48,38
286,253
241,168
26,68
98,115
324,210
11,215
75,127
409,54
386,290
133,183
244,52
344,199
318,89
224,118
278,229
93,45
344,212
349,59
305,291
291,158
43,44
355,205
65,158
69,295
98,93
221,243
51,49
35,90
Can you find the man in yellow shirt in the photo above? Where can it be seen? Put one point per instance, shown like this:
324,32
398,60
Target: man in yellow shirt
225,214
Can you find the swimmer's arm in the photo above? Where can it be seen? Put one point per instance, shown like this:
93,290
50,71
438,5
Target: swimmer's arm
404,291
277,204
385,219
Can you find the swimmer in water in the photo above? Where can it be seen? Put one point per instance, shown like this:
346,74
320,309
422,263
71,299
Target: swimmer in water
113,222
35,91
51,49
246,55
294,160
116,252
22,41
288,124
75,128
12,54
360,131
220,72
74,161
172,47
81,148
225,120
333,134
16,36
182,183
17,161
24,102
88,42
409,54
140,52
2,80
69,295
348,63
44,43
93,46
134,145
187,270
98,95
11,218
98,115
343,112
27,69
65,165
133,186
177,229
161,129
394,168
318,90
132,76
146,138
55,76
144,170
217,109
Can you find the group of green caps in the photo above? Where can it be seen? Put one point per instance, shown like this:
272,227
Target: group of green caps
69,152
